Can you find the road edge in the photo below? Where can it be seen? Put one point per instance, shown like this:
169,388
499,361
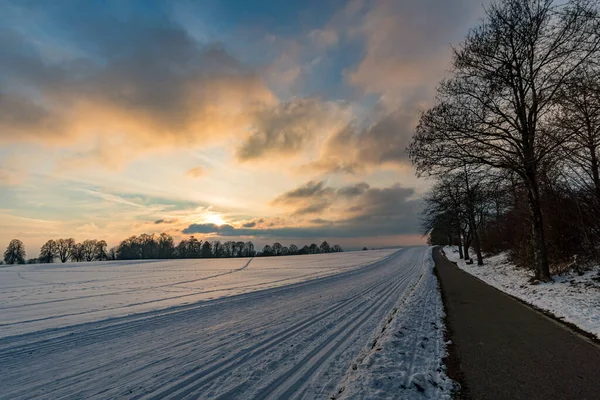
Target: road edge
451,359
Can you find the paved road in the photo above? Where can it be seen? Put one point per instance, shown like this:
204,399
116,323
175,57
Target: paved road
296,341
507,350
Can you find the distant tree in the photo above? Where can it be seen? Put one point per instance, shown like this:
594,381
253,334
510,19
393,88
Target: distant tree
89,249
250,249
48,252
337,248
228,246
129,249
100,250
206,250
166,246
365,248
304,250
15,252
293,249
277,248
241,249
267,251
285,251
217,249
78,252
33,261
325,247
314,249
194,249
112,254
182,249
149,246
64,247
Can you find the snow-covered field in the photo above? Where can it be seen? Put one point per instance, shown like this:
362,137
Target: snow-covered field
573,298
152,331
41,296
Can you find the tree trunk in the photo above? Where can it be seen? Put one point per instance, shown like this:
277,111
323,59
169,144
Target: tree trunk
467,244
595,172
471,217
460,249
537,226
476,242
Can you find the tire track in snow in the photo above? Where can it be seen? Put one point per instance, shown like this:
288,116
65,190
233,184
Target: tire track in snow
283,342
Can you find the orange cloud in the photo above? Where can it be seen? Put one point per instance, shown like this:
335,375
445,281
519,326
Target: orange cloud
196,172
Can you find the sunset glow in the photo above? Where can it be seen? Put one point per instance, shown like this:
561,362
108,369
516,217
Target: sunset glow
261,120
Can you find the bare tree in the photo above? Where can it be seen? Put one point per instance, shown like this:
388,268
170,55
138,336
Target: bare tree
48,252
77,252
64,247
15,252
89,249
506,81
579,115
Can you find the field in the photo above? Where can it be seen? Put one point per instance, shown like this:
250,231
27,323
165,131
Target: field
41,296
286,327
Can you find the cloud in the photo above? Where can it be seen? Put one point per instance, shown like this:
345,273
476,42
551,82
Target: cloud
351,211
165,221
353,149
196,172
315,207
324,37
354,190
291,126
308,190
209,228
406,44
151,87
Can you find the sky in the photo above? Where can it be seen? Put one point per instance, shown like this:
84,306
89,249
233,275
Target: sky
223,119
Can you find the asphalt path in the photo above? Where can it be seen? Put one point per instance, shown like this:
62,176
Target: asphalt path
507,350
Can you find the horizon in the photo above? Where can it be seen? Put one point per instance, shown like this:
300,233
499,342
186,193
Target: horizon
264,122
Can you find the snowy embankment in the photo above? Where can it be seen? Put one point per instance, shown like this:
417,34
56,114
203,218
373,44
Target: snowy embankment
299,340
404,361
572,298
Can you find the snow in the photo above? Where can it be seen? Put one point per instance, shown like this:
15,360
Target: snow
287,327
42,296
405,359
572,298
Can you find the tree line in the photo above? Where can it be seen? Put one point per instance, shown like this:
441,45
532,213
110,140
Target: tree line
512,141
162,246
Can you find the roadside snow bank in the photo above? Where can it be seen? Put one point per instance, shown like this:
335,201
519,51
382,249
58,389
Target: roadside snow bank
405,360
572,298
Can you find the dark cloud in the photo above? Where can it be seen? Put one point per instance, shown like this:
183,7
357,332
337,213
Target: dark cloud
352,149
165,221
314,233
312,189
249,224
320,221
354,190
312,208
209,228
367,211
289,127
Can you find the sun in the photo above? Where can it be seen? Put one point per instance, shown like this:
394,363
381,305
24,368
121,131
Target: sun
215,219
